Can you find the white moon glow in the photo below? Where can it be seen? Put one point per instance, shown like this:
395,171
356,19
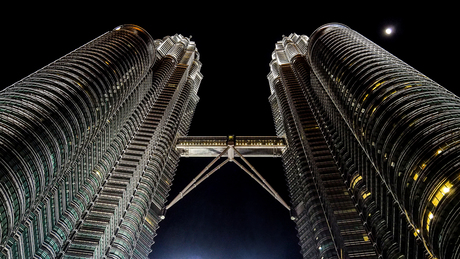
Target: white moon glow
388,31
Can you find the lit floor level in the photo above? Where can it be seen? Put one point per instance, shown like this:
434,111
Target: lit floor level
212,146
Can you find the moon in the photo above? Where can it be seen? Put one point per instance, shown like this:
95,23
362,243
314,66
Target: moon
389,30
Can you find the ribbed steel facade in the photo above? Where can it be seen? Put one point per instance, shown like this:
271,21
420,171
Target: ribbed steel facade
86,146
328,223
393,134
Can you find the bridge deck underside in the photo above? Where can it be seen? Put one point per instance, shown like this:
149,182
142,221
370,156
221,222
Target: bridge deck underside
247,146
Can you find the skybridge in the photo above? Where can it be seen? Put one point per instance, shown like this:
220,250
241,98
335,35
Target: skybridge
230,147
253,146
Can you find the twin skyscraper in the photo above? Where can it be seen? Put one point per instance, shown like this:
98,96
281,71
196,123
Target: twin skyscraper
88,148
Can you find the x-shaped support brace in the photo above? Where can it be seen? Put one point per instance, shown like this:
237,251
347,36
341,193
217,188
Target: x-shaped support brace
230,150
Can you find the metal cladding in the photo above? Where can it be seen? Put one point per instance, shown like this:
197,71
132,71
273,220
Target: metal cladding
90,143
249,146
86,146
407,125
328,223
393,133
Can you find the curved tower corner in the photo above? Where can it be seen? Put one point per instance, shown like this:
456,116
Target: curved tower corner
393,136
86,154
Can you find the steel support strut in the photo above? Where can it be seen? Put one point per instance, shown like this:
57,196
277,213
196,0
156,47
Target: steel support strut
264,183
184,191
231,152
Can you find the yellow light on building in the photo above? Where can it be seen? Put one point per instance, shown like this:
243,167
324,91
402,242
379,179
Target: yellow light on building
365,195
356,180
441,193
365,97
428,221
377,85
446,189
373,110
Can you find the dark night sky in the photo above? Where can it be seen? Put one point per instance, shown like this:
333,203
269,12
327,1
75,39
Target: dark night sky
229,216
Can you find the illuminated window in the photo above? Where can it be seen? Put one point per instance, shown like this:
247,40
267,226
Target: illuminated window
365,195
356,180
377,85
442,191
98,173
373,110
428,221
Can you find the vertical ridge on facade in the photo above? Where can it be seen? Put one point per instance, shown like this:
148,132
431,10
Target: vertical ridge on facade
87,155
392,145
